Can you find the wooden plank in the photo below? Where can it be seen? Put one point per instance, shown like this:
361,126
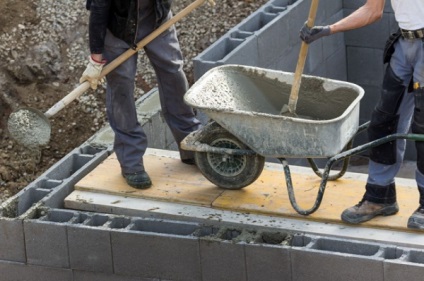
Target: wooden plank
177,182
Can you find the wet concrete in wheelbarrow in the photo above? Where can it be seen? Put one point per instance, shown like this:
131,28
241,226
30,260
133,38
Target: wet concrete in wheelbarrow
246,89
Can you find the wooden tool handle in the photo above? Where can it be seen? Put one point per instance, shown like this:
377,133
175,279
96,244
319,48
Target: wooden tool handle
123,57
301,61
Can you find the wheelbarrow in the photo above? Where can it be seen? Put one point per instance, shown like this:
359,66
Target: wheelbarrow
243,104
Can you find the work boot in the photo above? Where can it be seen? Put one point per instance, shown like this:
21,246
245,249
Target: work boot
189,161
366,210
416,220
139,180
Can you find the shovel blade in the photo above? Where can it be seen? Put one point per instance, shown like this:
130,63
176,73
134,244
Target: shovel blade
29,127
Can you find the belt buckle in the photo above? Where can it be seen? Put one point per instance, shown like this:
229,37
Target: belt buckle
409,34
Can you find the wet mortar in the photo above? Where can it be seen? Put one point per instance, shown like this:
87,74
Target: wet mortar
27,128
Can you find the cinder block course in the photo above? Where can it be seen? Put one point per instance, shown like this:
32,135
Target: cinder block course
46,243
12,243
160,256
90,249
337,259
268,262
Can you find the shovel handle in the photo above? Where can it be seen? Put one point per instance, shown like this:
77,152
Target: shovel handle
83,87
301,61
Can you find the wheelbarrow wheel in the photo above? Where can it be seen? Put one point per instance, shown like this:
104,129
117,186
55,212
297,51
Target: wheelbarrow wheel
226,170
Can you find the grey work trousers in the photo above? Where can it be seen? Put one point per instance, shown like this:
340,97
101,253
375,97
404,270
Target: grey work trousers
165,56
406,62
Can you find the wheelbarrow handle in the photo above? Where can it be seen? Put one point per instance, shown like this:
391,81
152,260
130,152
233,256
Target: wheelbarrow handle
77,92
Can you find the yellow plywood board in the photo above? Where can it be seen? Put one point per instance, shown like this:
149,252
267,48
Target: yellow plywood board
172,181
177,182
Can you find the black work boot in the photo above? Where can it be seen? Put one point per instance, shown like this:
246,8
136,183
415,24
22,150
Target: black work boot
416,220
139,180
366,210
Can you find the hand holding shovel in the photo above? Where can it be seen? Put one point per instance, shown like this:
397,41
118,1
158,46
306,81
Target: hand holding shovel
31,127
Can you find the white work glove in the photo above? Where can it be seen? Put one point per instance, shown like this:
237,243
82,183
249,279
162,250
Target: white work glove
92,73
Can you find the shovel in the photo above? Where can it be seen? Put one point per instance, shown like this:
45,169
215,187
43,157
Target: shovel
290,109
31,127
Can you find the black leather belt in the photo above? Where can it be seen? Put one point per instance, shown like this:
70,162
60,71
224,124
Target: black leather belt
412,34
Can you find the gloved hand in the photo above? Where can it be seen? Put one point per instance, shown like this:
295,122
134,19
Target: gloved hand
309,35
92,72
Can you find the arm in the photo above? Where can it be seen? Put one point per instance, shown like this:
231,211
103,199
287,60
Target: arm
99,15
370,12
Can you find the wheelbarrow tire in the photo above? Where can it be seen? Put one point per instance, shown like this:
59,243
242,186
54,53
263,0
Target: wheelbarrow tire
225,170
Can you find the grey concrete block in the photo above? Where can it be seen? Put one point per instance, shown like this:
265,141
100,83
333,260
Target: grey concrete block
334,259
159,256
246,53
332,44
46,243
267,262
372,36
274,41
409,266
335,65
221,258
354,4
365,66
10,271
329,8
90,249
12,243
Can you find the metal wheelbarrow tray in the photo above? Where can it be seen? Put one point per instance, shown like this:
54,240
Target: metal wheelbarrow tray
244,104
247,101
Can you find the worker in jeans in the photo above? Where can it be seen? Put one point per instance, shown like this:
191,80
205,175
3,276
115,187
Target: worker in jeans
400,106
114,27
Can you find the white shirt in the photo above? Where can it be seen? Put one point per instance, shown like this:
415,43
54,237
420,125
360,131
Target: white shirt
409,13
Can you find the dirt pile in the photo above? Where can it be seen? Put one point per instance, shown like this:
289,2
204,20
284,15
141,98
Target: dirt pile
43,51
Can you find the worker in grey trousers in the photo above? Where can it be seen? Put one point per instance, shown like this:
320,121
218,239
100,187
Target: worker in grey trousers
401,106
114,27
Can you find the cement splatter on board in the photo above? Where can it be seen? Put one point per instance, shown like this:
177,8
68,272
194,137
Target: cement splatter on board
29,129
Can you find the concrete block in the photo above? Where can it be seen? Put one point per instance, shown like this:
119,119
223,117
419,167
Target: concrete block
221,258
11,271
12,243
90,249
405,265
365,66
273,42
246,53
334,259
329,8
159,256
355,4
46,243
372,36
335,65
268,259
332,44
